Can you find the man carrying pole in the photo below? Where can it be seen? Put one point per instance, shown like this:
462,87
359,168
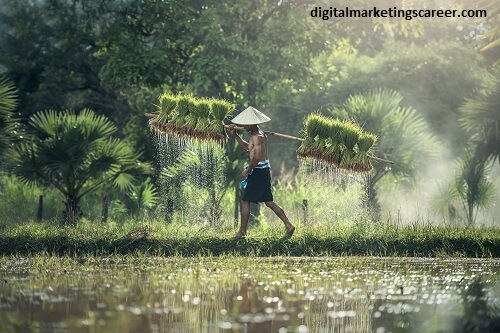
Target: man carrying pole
257,176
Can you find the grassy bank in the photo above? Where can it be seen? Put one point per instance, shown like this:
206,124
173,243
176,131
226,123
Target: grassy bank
364,239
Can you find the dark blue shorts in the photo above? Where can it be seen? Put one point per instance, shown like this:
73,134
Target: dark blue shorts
259,186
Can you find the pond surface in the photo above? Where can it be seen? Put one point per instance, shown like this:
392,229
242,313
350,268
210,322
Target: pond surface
153,294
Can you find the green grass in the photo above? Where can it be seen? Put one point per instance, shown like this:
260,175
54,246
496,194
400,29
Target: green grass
157,238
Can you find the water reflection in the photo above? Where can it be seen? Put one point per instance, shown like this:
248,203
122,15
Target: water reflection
249,295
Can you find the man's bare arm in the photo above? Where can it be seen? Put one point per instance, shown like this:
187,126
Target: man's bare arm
241,142
238,138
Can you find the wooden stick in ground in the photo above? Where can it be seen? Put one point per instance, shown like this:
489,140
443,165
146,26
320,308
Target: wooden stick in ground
284,136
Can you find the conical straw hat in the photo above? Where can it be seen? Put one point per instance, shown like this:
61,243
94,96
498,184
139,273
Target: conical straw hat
250,116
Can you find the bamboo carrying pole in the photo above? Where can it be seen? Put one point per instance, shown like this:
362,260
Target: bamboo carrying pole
284,136
280,135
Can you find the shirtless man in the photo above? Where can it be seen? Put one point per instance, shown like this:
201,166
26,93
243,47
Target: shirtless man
258,172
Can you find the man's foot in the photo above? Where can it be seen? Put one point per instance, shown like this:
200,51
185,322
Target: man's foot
289,231
240,234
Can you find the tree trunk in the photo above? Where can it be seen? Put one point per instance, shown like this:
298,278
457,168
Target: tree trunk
254,214
105,208
305,210
371,202
169,210
470,213
39,215
73,210
237,198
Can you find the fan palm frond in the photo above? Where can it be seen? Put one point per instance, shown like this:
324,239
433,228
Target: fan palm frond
480,117
8,103
94,126
8,98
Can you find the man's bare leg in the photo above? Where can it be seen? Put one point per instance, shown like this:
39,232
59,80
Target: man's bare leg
281,214
245,215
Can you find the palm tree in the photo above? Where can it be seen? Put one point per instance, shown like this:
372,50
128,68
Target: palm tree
8,102
404,135
480,117
469,188
75,154
473,187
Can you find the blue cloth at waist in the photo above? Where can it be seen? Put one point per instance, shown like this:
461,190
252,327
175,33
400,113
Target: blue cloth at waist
263,165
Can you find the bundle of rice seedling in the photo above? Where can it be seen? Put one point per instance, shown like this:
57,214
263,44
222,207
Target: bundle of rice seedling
203,116
189,117
349,138
167,104
220,111
312,125
178,121
333,149
322,140
361,161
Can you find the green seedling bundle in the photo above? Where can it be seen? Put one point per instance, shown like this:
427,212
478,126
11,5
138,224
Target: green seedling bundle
337,142
190,117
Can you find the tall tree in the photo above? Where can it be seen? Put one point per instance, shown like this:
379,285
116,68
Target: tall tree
148,42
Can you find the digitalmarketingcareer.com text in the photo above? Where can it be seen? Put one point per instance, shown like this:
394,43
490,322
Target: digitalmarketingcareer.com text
394,12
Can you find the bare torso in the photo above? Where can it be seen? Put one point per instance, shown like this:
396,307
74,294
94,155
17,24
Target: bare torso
257,146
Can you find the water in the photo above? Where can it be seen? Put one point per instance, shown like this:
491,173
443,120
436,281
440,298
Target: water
321,172
192,175
141,294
